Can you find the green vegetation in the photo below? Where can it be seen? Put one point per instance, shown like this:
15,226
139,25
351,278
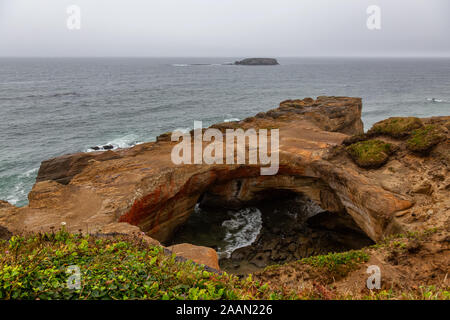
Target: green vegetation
423,140
397,127
35,267
370,153
338,263
121,268
327,270
400,240
423,293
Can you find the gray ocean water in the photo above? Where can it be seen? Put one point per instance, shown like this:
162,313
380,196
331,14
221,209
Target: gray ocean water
49,107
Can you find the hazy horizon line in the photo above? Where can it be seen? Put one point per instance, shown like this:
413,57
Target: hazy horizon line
224,57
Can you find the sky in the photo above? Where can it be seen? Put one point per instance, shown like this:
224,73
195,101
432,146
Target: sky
224,28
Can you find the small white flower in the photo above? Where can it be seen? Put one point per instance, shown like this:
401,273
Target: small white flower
63,223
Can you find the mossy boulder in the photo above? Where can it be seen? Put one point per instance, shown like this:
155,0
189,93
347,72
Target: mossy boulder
423,140
396,127
370,153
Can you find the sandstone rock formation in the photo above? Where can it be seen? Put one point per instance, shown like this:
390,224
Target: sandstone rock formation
141,190
200,255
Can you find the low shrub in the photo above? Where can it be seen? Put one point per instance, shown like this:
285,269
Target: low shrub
39,267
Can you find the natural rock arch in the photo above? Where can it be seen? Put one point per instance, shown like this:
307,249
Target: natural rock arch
141,189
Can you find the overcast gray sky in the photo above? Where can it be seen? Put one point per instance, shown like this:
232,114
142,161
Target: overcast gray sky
225,28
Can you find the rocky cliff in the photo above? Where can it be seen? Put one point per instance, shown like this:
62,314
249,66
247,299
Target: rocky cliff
141,190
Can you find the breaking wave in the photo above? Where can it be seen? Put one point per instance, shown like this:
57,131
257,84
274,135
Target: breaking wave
436,100
124,142
241,230
232,120
22,185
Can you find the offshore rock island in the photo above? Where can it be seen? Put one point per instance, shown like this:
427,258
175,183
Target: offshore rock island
257,62
391,180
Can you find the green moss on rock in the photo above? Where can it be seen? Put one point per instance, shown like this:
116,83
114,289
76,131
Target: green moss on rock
396,127
370,154
423,140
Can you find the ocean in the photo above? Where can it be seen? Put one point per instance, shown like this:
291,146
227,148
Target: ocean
50,107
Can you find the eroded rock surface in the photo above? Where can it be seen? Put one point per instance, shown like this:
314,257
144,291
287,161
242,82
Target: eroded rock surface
142,189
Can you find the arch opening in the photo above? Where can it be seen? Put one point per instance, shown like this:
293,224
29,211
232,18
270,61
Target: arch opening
275,226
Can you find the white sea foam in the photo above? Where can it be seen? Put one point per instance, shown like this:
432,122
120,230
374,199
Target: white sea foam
21,188
183,130
30,172
232,120
17,195
242,230
435,100
123,142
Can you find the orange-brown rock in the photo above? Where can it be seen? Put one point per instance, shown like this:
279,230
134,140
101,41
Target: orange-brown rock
200,255
140,189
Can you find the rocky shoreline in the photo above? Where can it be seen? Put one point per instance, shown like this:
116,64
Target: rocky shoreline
394,179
